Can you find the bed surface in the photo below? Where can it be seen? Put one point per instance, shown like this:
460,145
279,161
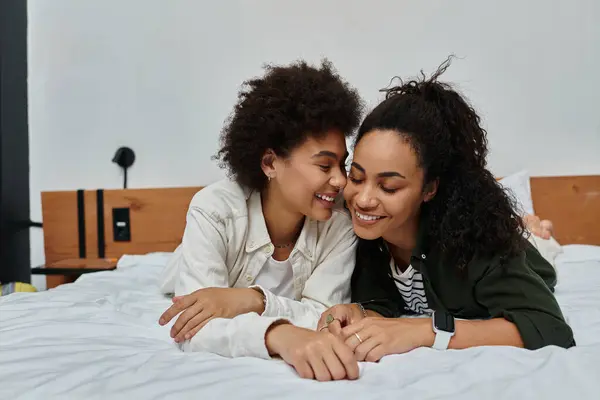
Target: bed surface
99,338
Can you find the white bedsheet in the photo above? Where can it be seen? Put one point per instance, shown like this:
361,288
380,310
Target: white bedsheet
99,338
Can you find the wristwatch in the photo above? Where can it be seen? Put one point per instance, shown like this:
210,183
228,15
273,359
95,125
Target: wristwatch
443,326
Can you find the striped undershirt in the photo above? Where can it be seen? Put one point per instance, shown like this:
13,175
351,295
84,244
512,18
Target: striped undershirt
410,285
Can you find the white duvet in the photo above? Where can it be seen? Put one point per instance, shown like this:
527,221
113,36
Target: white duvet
99,338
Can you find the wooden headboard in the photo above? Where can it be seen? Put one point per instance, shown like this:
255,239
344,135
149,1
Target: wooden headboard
572,203
158,216
157,220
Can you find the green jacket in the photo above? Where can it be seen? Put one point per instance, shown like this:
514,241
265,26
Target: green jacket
520,291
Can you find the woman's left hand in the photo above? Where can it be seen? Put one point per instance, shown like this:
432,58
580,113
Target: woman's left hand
373,338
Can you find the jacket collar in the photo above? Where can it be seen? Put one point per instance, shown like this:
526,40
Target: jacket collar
422,247
258,236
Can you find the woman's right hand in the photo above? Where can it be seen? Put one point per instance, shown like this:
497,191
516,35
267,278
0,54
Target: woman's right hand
314,355
337,317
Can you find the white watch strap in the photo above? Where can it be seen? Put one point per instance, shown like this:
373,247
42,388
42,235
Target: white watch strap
442,340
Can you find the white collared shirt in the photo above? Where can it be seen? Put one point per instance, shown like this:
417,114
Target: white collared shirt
226,244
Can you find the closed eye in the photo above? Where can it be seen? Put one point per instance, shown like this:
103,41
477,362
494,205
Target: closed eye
325,168
355,180
390,191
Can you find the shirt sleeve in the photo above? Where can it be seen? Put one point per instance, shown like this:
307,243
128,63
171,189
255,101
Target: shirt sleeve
242,336
203,254
328,284
200,262
203,265
200,259
519,294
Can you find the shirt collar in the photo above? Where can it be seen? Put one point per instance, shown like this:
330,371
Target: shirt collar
258,236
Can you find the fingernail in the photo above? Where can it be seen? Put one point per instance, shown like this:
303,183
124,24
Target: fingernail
187,336
161,321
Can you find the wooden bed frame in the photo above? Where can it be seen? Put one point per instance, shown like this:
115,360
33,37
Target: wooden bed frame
74,222
158,217
572,203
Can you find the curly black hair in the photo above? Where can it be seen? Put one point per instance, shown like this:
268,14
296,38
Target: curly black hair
282,109
471,215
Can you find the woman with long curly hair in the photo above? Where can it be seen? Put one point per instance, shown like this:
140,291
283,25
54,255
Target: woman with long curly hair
439,237
271,242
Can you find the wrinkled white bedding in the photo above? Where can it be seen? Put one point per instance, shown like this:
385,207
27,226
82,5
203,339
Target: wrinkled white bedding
99,338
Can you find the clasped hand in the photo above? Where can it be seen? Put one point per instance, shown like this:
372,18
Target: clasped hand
371,338
345,336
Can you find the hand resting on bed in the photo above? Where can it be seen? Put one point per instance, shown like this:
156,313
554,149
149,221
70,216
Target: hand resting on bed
314,355
201,306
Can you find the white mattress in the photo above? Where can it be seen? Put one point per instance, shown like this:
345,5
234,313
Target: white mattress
99,338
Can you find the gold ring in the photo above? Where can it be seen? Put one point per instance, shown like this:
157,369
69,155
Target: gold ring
323,327
358,337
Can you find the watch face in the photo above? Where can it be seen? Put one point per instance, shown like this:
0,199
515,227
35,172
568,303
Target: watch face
444,321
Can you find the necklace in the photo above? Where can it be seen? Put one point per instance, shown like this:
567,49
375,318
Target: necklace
283,246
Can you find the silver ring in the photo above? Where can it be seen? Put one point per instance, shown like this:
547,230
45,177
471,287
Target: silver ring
358,337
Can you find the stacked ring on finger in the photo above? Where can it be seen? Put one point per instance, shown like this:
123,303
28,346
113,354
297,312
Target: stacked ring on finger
328,320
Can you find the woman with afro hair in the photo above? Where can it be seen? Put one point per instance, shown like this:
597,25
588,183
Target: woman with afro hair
439,237
271,243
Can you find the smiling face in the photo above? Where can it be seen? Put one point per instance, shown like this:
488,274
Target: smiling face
308,181
385,185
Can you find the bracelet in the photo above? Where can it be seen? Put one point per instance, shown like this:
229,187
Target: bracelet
362,309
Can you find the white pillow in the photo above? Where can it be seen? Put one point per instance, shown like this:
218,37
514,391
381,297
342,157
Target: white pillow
518,185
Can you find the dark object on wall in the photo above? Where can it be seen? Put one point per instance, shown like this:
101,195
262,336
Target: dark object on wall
14,144
124,158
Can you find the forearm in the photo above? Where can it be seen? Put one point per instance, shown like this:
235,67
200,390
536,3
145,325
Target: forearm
242,336
274,335
374,314
492,332
304,313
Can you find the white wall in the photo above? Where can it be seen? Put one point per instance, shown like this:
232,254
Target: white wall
161,76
